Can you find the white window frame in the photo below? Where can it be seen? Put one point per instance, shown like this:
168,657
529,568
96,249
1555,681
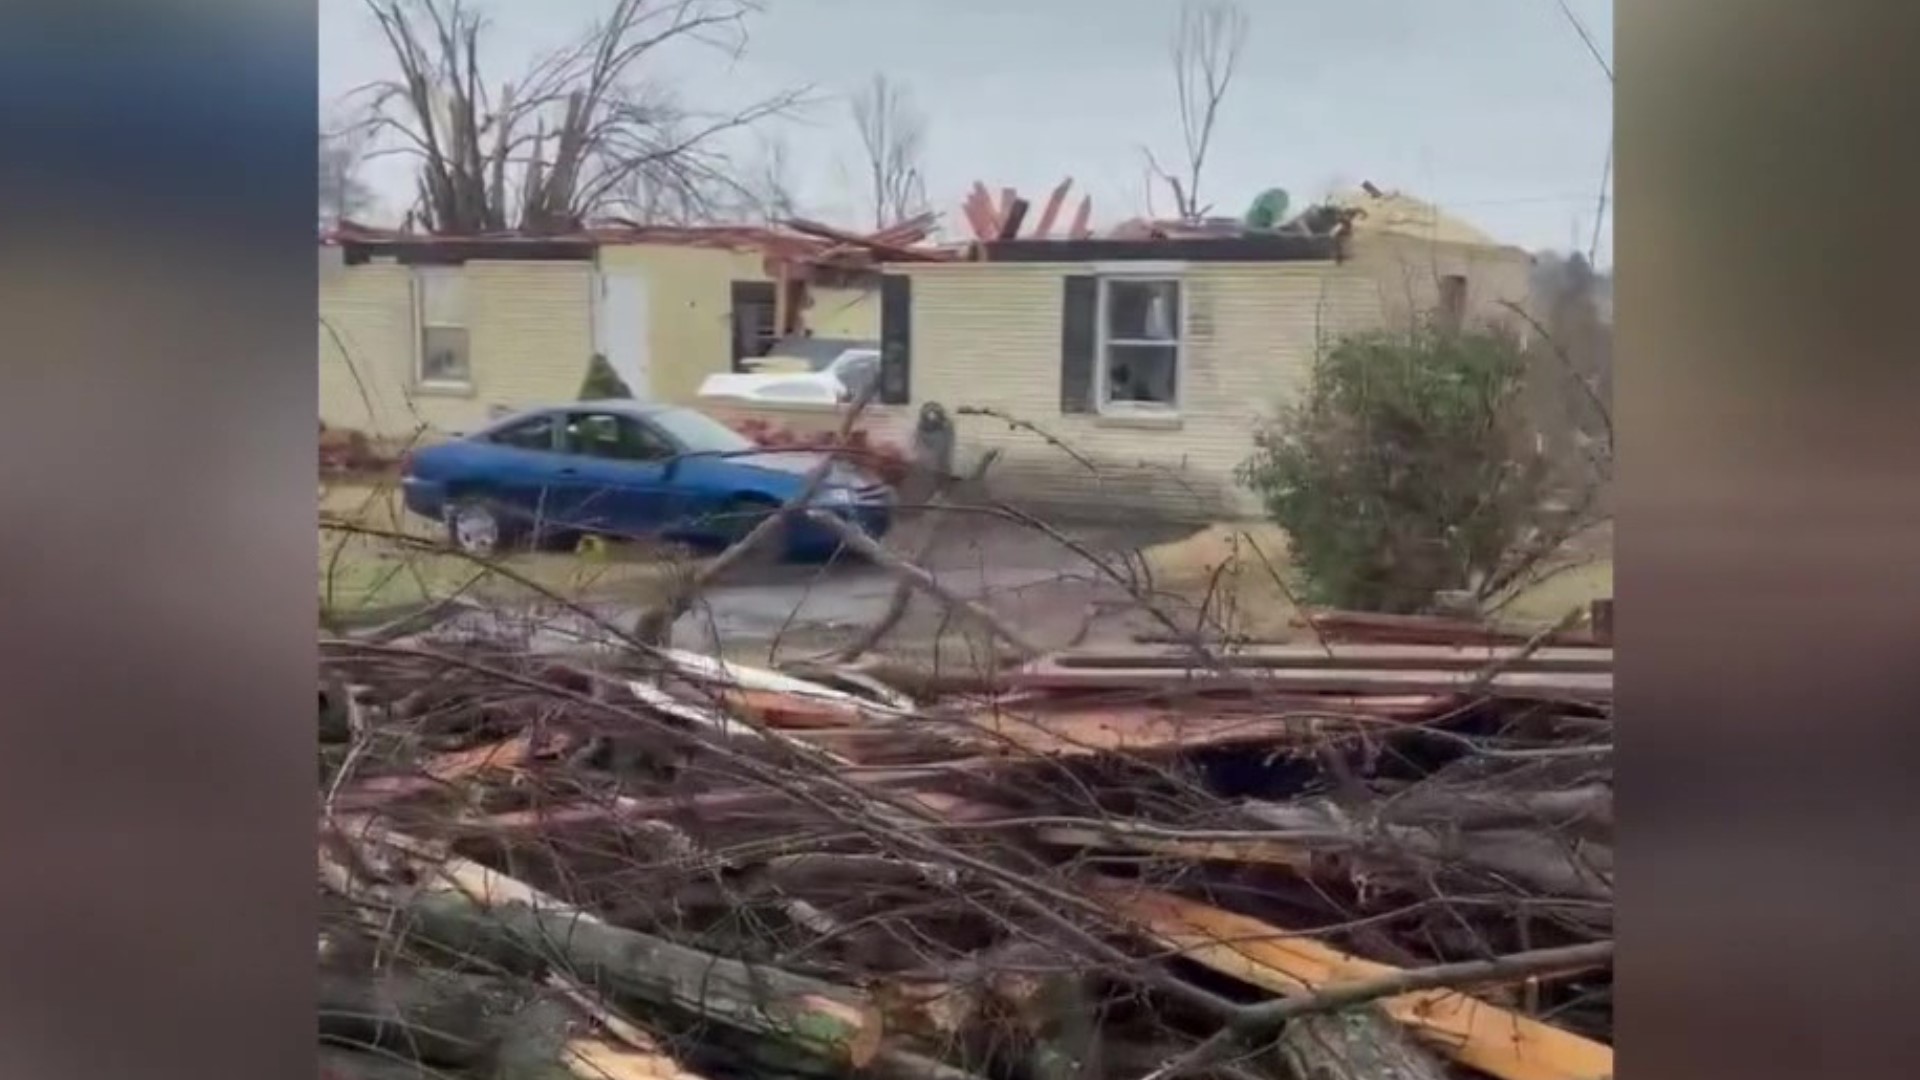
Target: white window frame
1143,274
421,325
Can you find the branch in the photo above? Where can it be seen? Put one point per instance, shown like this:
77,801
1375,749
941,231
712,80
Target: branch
655,625
866,546
1255,1020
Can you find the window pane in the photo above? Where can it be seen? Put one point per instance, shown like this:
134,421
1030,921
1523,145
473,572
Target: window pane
1144,374
1143,310
443,355
443,296
619,438
535,434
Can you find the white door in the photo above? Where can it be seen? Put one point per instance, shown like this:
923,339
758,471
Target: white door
620,333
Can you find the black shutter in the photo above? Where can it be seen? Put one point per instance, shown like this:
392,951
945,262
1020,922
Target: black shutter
896,339
1077,317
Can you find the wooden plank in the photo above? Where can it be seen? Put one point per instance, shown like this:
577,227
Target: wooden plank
1545,685
1070,732
1051,211
979,217
1364,626
1359,656
1470,1030
1079,229
1010,228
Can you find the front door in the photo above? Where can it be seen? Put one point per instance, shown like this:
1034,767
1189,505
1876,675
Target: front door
615,480
620,330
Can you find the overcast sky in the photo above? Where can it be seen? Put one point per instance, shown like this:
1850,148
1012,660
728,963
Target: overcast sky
1492,108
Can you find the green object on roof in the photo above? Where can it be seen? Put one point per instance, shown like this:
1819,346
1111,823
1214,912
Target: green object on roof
1269,209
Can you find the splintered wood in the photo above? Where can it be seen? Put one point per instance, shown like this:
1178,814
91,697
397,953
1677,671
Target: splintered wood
1101,863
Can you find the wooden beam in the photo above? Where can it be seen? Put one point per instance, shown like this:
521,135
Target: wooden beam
1078,230
1052,210
1470,1030
1010,227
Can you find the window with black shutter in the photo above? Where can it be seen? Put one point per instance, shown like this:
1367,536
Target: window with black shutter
1121,338
1079,338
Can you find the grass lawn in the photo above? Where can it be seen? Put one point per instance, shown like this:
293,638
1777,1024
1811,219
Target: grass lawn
361,574
1238,564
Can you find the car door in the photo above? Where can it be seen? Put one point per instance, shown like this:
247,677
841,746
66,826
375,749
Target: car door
520,468
614,478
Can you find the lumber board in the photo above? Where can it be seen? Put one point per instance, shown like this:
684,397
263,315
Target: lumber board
1582,686
1357,656
1497,1041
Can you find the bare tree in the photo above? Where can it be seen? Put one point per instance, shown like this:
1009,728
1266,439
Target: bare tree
342,193
770,182
581,133
1205,51
893,133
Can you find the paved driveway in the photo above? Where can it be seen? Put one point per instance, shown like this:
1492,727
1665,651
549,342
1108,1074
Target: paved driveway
1032,580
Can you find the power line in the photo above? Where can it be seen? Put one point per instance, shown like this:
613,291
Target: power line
1580,28
1600,213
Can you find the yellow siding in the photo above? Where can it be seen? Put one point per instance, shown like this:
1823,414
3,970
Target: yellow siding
988,335
1409,272
690,310
530,327
844,313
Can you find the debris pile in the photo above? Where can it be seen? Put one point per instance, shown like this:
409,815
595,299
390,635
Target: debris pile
1329,860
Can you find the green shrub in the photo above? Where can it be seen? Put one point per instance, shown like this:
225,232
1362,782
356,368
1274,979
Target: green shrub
1409,468
602,381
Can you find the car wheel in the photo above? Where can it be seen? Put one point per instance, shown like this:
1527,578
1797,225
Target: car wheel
552,539
475,527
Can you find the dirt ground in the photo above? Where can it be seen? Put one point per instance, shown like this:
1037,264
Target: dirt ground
1241,573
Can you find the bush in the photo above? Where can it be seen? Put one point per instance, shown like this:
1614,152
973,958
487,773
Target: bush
602,381
1408,469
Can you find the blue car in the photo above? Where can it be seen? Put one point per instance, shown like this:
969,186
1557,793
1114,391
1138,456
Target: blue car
629,470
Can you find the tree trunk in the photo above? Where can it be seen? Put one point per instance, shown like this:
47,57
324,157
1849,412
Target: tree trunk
766,1003
445,1020
338,1063
1355,1044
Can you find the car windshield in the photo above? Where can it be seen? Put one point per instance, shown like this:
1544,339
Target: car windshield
700,433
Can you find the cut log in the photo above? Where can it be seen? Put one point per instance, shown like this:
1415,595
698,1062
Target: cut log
464,907
446,1020
339,1063
1356,1044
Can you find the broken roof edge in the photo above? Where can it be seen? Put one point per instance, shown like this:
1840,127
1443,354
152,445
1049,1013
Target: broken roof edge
1277,247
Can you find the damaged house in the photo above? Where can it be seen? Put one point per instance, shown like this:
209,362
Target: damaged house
1126,373
424,335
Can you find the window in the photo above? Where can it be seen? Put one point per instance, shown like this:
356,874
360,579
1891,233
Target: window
1140,330
440,299
534,434
619,438
754,326
1453,302
700,433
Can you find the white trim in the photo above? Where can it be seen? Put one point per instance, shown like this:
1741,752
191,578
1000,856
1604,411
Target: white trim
1150,268
1101,341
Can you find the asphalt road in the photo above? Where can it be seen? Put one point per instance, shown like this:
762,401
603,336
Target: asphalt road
1029,579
